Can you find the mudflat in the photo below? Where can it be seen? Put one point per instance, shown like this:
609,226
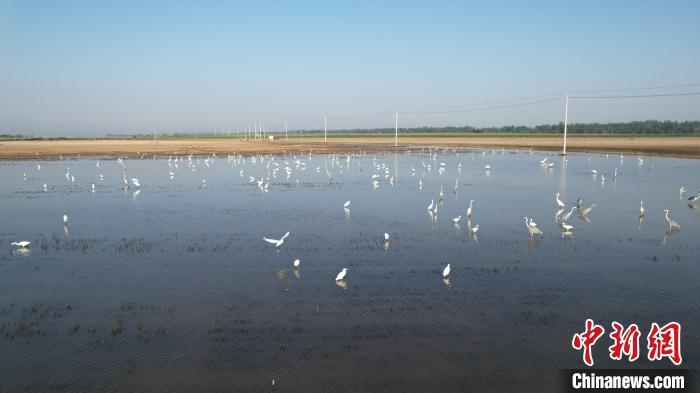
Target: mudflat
656,145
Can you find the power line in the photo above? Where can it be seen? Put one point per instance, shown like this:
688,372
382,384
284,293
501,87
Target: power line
637,88
639,96
487,108
484,103
370,115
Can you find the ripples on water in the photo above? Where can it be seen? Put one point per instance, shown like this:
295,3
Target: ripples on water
173,289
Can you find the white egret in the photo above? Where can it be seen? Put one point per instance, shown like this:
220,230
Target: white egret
566,227
559,202
587,210
672,224
487,167
341,275
135,182
22,244
430,207
456,219
532,227
641,209
566,216
346,204
475,229
65,218
532,223
296,263
446,271
386,236
469,209
277,243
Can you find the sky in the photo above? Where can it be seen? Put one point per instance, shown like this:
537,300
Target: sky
94,67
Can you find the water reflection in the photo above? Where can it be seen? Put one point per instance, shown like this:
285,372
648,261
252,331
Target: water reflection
342,284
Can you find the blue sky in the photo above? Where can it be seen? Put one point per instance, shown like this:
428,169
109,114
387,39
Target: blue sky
89,67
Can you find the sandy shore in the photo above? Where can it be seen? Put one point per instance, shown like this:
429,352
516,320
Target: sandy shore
671,146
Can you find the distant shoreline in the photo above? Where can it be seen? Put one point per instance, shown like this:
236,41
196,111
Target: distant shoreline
677,146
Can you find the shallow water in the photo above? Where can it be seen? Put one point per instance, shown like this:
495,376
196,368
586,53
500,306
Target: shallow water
173,289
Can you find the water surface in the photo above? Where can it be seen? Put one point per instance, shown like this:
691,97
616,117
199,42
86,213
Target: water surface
170,287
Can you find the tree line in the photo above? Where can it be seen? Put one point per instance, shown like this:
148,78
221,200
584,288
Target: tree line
632,127
649,127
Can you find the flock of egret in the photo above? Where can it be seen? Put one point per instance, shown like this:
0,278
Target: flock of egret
297,162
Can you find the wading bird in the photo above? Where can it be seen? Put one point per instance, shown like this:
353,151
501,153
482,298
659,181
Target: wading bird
22,244
587,210
566,227
672,224
532,227
469,209
559,202
566,216
341,275
641,209
446,271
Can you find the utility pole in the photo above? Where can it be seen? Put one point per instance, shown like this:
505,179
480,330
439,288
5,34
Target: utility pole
566,121
396,136
325,129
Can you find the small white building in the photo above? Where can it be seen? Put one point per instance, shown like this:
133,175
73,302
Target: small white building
271,137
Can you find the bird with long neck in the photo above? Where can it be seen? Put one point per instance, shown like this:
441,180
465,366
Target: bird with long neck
566,216
672,224
560,204
532,227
